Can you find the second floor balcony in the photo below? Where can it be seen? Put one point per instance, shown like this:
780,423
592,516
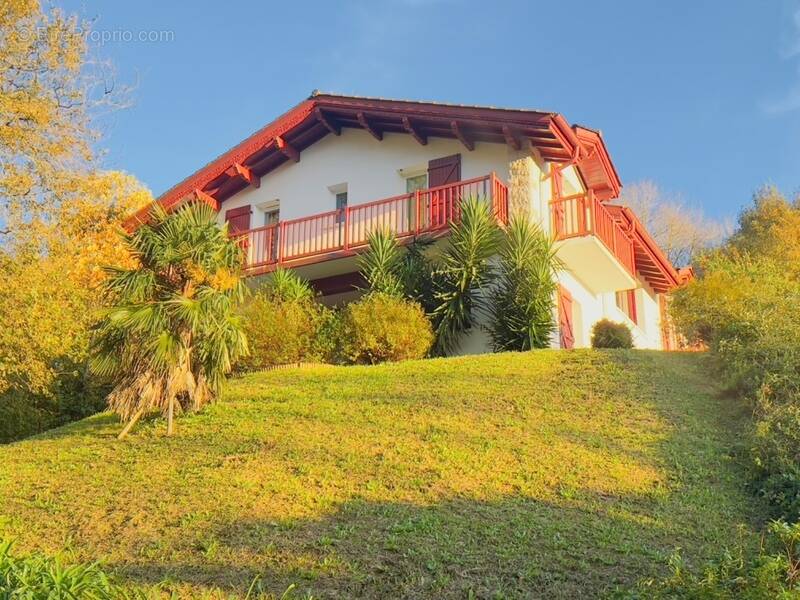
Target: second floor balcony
341,233
592,243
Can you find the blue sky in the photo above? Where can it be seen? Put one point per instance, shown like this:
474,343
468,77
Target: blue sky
701,97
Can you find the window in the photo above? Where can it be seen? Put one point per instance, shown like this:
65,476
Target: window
626,302
341,200
416,182
271,217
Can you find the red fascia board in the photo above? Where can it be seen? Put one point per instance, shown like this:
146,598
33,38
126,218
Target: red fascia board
237,154
646,243
594,145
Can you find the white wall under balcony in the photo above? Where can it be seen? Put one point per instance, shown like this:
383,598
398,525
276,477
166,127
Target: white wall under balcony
371,170
589,307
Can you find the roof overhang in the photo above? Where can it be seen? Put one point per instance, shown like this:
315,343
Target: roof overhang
285,139
594,164
651,262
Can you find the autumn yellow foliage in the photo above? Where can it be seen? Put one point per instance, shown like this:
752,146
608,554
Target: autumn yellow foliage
60,212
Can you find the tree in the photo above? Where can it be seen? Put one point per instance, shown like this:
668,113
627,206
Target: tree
521,301
681,231
171,334
48,91
770,228
49,278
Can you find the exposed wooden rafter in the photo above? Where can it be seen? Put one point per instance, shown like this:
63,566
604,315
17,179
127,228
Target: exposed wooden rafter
210,200
287,149
457,131
239,170
327,122
415,133
362,120
511,139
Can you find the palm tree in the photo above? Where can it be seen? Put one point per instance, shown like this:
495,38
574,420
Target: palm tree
522,299
170,334
463,270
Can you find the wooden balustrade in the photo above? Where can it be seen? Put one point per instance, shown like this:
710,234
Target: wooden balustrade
424,211
579,215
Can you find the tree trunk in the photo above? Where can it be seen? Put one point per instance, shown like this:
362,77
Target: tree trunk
131,423
170,415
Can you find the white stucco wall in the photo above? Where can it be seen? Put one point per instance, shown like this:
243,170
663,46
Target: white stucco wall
370,169
588,308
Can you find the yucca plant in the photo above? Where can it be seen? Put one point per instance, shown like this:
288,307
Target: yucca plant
381,265
521,302
463,270
288,286
170,333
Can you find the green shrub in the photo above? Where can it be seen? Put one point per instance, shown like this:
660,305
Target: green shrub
284,324
746,310
380,328
776,448
738,575
42,577
281,332
70,397
608,334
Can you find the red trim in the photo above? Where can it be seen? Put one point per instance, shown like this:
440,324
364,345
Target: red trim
651,261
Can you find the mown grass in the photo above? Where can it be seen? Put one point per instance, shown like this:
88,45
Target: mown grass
555,474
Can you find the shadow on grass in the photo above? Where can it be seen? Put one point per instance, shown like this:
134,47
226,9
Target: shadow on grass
514,547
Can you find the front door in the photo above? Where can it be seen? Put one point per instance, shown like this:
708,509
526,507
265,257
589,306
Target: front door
565,319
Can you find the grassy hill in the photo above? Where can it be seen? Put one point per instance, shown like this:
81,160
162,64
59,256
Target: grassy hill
557,474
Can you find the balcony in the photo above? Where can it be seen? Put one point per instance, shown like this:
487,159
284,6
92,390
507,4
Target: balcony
592,243
341,233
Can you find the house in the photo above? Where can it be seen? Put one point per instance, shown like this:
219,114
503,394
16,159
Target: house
305,191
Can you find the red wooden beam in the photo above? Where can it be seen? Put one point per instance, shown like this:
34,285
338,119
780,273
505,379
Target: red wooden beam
511,139
409,127
362,120
329,124
468,144
239,170
210,200
287,149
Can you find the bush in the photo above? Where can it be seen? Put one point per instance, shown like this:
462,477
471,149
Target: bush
281,332
38,576
284,324
746,310
607,334
70,397
737,575
380,327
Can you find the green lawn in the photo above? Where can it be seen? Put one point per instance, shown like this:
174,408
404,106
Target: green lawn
555,474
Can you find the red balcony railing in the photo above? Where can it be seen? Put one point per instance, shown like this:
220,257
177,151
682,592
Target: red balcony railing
423,211
583,214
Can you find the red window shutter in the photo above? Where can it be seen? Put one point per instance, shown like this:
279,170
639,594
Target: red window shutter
567,334
238,219
632,314
442,171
